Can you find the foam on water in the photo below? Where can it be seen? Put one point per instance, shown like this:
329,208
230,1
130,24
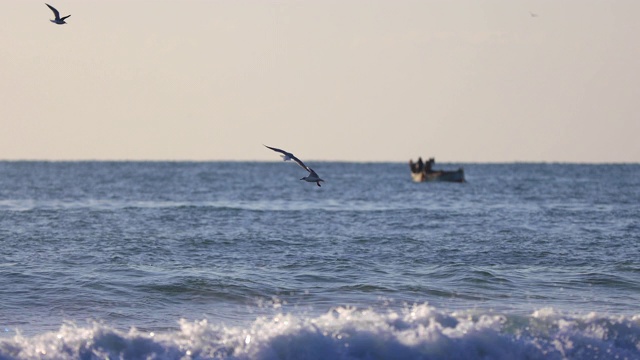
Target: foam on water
416,332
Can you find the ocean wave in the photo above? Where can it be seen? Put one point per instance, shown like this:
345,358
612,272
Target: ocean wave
25,205
415,332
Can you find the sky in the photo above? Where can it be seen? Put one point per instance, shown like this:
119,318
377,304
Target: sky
334,80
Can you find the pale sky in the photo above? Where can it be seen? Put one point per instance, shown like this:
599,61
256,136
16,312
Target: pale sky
350,80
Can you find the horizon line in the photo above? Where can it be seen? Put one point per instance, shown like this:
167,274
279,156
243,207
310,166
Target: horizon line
321,161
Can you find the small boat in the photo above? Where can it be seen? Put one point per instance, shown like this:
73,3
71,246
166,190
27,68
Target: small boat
423,171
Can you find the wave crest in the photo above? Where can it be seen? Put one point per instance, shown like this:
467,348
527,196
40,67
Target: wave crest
416,332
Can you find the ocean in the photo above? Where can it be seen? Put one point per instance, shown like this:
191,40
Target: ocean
242,260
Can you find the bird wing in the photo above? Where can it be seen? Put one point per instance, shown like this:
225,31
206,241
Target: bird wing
278,150
65,17
55,12
302,165
312,173
288,154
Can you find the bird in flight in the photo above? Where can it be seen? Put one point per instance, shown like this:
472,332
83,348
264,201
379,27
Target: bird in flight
313,177
58,20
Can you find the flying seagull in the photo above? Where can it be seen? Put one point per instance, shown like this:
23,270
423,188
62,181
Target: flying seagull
313,177
58,20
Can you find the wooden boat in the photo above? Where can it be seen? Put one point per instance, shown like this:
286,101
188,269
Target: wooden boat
421,172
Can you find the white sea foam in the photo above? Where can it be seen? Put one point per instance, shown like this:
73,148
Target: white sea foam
418,332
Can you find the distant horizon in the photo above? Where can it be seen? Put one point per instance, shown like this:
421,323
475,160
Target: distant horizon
316,161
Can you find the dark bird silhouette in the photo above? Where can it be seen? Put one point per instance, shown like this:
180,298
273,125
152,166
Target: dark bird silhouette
58,20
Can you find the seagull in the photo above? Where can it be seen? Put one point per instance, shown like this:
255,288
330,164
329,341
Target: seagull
58,20
286,156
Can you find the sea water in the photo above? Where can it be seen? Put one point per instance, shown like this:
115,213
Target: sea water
241,260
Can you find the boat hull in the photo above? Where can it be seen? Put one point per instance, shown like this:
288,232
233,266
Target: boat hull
450,176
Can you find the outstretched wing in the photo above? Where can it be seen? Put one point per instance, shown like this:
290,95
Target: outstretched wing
55,12
288,155
312,173
299,162
65,17
279,150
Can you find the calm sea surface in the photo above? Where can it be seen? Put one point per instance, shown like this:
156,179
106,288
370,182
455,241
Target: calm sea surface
241,260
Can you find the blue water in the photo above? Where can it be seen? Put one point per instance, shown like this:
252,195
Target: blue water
240,260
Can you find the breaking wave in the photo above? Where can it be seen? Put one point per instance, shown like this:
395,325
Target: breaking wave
416,332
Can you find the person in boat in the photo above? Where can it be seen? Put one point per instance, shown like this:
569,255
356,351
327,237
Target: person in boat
416,167
428,166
